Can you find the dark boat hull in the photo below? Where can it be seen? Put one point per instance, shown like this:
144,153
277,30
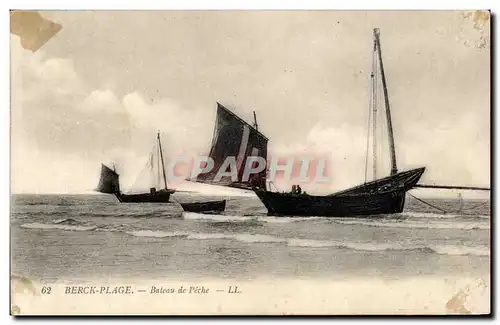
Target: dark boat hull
205,207
384,196
162,196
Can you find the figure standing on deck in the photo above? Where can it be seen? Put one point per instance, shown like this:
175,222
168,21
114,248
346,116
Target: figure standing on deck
296,189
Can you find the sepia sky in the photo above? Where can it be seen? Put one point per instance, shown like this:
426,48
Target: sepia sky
102,87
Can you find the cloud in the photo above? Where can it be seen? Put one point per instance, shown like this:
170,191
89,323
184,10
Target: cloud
63,127
40,171
56,69
341,147
454,154
450,149
101,101
105,102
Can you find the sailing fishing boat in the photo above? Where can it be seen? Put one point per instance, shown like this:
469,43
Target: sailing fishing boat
380,196
232,138
109,181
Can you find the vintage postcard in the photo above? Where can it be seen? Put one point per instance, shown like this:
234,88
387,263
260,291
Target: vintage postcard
250,162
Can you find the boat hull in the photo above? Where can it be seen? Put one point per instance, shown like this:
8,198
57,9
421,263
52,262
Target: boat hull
162,196
205,207
384,196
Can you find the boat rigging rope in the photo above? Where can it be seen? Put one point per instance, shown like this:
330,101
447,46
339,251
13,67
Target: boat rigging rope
477,205
372,115
368,130
374,108
431,205
272,183
442,210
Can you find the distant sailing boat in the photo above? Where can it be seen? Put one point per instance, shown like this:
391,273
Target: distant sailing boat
380,196
232,137
109,181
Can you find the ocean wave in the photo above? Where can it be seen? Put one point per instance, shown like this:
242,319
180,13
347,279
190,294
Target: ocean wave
262,238
248,238
416,217
202,236
374,247
417,224
67,221
57,226
290,219
218,217
134,215
313,243
113,228
430,215
462,250
248,218
156,234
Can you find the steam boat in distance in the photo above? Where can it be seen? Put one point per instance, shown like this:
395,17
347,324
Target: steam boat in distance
109,182
381,196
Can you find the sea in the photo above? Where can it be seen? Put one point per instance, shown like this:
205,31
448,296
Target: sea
77,238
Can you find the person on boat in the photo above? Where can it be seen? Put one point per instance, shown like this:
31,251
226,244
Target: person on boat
299,190
294,189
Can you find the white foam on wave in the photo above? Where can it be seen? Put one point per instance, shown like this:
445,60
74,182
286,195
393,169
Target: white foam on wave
461,250
67,221
217,217
57,226
234,218
292,242
421,220
313,243
290,219
201,236
157,234
417,224
430,215
374,247
248,238
348,245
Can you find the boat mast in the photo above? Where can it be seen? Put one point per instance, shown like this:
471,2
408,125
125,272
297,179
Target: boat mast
374,108
394,169
372,114
162,162
158,163
255,125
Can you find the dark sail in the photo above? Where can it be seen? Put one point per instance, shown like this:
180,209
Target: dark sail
109,181
234,137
